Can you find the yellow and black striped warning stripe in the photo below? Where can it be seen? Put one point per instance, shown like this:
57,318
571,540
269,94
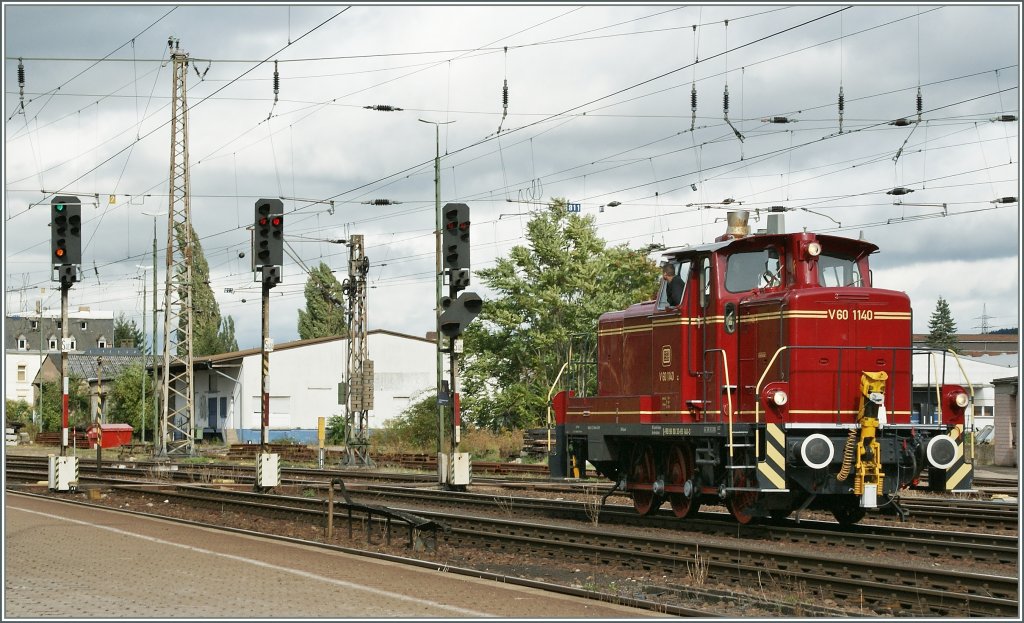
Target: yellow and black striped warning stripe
960,474
771,470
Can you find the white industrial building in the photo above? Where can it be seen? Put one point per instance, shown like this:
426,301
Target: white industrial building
303,385
974,374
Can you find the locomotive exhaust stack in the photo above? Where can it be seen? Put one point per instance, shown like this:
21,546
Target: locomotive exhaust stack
737,226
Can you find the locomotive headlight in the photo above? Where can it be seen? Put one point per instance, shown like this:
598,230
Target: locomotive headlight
779,397
814,249
960,400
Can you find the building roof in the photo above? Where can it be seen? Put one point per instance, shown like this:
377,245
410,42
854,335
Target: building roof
973,344
78,314
99,363
211,359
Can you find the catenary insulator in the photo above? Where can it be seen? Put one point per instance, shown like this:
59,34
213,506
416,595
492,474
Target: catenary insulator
725,100
842,101
693,98
920,101
899,190
504,95
277,81
1006,200
1005,118
899,123
776,120
21,74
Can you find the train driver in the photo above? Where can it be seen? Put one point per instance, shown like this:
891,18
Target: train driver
671,293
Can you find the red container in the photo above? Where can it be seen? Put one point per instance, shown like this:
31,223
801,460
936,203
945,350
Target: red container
114,435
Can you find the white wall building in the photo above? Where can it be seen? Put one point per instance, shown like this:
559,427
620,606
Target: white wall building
975,373
303,385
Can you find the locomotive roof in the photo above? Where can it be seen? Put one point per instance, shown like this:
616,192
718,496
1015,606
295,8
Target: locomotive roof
850,245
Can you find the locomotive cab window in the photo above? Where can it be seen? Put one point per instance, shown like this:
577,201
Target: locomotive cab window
835,271
753,269
671,292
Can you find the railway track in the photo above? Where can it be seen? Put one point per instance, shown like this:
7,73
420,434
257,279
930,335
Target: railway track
928,544
957,513
880,586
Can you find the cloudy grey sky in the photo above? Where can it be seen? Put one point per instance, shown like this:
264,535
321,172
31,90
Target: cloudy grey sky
599,110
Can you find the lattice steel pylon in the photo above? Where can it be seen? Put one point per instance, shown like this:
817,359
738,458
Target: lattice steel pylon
360,368
177,426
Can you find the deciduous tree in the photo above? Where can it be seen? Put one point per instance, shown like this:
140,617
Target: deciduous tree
548,295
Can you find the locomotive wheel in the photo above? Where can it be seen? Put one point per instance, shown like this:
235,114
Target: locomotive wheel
680,470
642,472
741,503
847,514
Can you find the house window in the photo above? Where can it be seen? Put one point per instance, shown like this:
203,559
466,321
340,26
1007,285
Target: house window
84,325
73,345
35,325
101,343
22,343
52,343
21,372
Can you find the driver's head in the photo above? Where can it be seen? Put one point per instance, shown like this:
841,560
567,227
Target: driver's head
668,271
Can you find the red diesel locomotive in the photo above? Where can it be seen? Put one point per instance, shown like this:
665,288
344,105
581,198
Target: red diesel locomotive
780,382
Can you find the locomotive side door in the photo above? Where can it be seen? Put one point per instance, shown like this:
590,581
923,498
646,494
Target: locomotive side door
704,361
669,325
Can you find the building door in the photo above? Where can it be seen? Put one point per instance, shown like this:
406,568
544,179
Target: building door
212,411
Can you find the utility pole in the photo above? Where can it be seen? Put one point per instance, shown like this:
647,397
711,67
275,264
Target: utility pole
66,257
359,372
142,415
442,476
268,257
177,427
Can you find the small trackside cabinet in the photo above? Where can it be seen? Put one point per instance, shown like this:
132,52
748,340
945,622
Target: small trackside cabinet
462,469
268,470
62,473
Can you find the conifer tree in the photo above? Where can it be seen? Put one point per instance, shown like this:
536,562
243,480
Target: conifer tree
325,306
942,328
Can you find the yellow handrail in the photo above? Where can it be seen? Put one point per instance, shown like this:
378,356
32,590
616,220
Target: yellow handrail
970,422
757,388
551,391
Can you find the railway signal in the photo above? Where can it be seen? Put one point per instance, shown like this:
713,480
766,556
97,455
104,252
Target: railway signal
456,236
268,245
458,313
66,231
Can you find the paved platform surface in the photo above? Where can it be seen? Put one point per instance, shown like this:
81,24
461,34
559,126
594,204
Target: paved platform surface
64,561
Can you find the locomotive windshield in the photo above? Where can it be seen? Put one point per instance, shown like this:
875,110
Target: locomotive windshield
835,271
752,269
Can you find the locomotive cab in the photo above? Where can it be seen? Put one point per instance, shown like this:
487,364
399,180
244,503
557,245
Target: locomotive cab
780,379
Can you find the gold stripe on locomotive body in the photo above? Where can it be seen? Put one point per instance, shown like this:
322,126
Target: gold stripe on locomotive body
781,380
